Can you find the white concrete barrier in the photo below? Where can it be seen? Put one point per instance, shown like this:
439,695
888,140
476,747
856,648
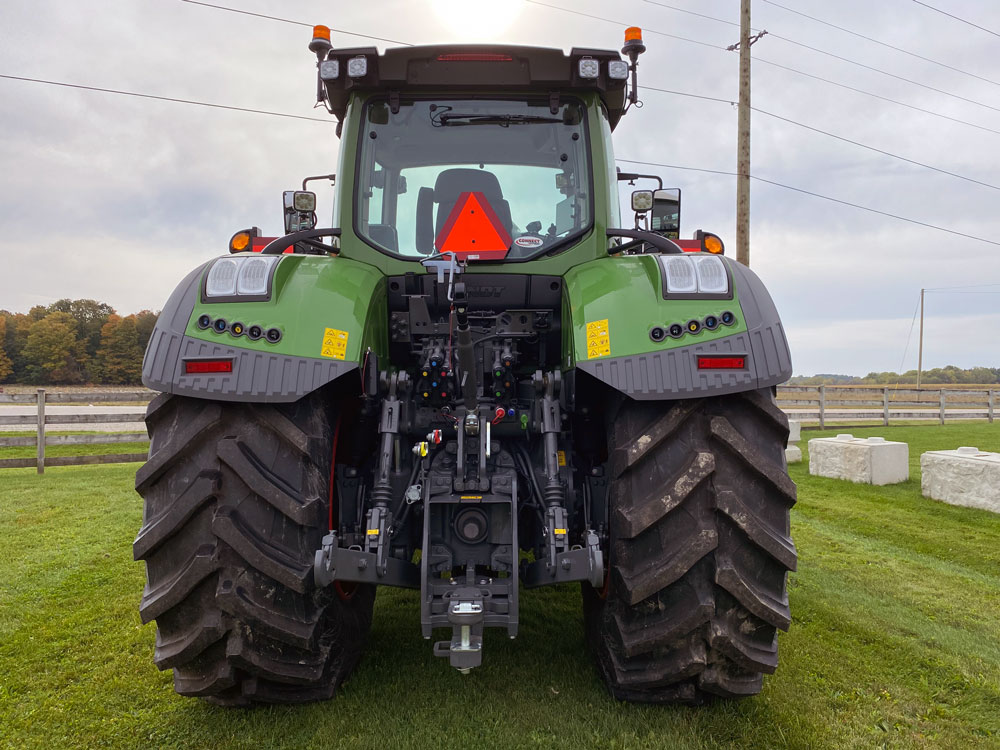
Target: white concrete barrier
873,460
966,476
794,431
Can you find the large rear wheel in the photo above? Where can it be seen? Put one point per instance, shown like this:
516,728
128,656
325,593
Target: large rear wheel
236,503
700,549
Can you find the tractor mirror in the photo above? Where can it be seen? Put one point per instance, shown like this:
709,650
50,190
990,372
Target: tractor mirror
642,200
666,216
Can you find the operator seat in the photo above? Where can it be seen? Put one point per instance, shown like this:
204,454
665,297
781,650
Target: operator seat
450,184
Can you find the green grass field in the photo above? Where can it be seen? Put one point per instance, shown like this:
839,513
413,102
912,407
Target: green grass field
895,640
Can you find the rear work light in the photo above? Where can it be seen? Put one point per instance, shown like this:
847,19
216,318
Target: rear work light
357,67
589,68
722,363
207,366
474,57
618,70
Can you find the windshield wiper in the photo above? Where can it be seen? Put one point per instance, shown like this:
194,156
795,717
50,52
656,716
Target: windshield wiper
503,121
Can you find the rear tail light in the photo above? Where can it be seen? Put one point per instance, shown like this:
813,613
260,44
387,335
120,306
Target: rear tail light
722,363
207,366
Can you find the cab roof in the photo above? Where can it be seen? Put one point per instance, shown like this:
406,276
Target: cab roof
489,69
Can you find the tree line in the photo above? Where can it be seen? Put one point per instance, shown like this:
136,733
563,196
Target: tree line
949,375
72,342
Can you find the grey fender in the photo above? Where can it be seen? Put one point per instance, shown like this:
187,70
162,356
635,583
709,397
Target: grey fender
257,377
674,374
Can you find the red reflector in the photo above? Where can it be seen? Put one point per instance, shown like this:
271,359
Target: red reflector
722,363
473,230
202,366
474,57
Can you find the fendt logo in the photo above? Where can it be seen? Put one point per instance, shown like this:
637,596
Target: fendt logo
483,291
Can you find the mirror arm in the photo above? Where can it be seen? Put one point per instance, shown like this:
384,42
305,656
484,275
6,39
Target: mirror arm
278,246
658,241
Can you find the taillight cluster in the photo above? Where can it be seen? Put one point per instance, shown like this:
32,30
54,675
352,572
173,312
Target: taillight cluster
236,329
692,327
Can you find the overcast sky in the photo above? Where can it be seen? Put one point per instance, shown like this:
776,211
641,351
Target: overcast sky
115,198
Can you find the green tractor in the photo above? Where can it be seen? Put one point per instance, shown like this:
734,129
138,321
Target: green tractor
475,382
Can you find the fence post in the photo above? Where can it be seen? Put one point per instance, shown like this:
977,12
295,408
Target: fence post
941,405
822,407
40,462
990,413
885,406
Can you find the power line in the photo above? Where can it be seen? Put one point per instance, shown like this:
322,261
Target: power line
677,166
295,23
692,13
963,286
820,195
831,54
902,362
876,211
830,135
693,96
883,72
876,150
876,96
875,41
164,98
623,24
938,10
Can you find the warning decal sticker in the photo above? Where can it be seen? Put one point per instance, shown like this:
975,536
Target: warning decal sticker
334,344
598,339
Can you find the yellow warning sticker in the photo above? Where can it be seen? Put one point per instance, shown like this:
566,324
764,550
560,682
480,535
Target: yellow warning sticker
598,339
561,457
560,532
334,344
372,532
471,497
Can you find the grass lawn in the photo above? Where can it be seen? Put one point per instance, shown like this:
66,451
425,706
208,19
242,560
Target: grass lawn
895,640
53,451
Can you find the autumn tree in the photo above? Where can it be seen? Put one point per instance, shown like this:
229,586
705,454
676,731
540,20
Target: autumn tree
144,322
90,315
6,367
119,358
52,353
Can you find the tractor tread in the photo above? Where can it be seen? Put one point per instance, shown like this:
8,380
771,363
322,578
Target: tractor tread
700,550
165,524
650,504
234,512
240,457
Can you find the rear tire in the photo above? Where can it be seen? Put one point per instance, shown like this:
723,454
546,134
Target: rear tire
700,549
235,508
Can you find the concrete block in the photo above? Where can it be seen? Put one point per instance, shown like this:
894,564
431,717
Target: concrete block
793,454
966,476
794,431
871,460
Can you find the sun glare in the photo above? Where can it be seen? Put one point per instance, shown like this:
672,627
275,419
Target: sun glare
477,20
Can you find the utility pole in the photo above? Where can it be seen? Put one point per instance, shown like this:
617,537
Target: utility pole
743,142
920,355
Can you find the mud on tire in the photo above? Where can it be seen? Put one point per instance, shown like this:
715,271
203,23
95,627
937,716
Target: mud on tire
700,549
236,503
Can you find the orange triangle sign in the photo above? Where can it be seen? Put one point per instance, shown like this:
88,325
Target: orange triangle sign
473,230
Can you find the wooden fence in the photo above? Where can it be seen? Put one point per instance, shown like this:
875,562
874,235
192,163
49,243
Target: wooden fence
873,404
40,420
804,403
